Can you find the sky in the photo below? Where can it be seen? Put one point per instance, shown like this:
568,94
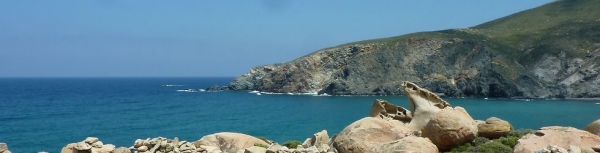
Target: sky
204,38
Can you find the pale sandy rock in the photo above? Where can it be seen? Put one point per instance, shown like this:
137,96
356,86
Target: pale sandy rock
493,128
70,148
423,104
410,144
90,140
311,149
230,142
369,134
210,149
324,148
596,148
97,144
317,139
255,149
593,127
306,143
386,110
562,137
450,127
142,148
83,146
274,148
3,147
122,150
574,149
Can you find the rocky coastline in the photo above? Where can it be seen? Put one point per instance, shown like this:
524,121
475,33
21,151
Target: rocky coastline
429,125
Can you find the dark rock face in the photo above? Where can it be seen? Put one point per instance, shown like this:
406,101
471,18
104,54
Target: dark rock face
462,62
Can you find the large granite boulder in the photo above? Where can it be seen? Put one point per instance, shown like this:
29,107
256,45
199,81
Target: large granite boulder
593,127
369,134
450,127
386,110
560,137
4,148
493,128
229,142
409,144
90,144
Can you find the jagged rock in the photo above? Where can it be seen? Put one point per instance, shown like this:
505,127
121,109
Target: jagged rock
386,110
311,149
410,144
369,134
97,144
208,149
109,148
493,128
255,149
274,148
423,105
324,148
450,127
229,142
562,137
593,127
596,148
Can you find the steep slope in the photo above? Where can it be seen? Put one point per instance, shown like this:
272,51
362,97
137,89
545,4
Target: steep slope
549,51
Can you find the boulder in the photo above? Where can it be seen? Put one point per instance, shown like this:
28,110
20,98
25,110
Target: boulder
493,128
369,134
423,105
450,127
274,148
386,110
90,140
122,150
593,127
230,142
4,148
560,137
317,139
255,149
410,144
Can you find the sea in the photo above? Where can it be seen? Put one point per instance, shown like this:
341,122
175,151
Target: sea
45,114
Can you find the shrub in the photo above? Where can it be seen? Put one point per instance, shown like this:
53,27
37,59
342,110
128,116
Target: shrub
519,133
264,139
261,145
292,144
462,148
480,140
491,147
509,141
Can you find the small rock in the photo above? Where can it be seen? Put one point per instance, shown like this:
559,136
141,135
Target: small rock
97,144
138,143
324,148
574,149
255,149
596,148
274,148
122,150
142,148
83,146
311,149
90,140
3,147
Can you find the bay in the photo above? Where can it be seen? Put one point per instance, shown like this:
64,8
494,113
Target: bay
45,114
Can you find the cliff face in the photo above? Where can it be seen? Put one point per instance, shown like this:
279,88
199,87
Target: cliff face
549,51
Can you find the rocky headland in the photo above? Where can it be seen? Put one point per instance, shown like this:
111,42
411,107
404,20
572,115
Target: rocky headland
429,125
547,52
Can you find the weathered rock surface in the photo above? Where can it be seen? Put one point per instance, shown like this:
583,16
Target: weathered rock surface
593,127
164,145
410,144
560,137
90,144
4,148
423,105
229,142
255,149
450,127
386,110
369,134
122,150
495,59
493,128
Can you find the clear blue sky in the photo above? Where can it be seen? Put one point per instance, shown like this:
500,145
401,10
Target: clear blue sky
132,38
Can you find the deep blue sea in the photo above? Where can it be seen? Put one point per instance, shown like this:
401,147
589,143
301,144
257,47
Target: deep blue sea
45,114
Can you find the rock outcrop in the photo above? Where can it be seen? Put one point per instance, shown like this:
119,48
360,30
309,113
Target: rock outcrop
535,53
164,145
90,144
557,137
493,128
4,148
229,142
449,128
317,140
386,110
369,134
409,144
593,127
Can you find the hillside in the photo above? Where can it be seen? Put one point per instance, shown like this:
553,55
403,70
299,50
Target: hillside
549,51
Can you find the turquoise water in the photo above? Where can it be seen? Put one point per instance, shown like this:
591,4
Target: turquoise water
47,113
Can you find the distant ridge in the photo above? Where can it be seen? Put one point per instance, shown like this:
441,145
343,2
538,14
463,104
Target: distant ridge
547,52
